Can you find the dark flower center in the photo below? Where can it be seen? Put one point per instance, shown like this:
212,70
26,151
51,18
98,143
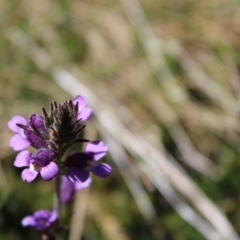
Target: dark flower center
78,160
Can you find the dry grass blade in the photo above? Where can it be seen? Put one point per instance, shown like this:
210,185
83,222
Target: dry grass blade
175,93
132,180
130,176
111,228
161,183
77,221
180,205
202,80
193,158
153,48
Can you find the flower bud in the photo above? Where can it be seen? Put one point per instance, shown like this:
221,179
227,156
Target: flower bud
37,124
63,126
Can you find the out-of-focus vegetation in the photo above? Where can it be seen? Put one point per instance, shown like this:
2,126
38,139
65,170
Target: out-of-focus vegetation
169,72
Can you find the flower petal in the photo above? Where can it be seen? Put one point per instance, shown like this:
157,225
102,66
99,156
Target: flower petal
18,142
101,170
16,119
50,171
66,189
54,215
84,114
28,221
34,140
81,102
82,185
97,149
42,214
76,174
29,175
37,123
23,159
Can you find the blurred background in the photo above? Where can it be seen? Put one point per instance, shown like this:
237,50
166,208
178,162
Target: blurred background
163,80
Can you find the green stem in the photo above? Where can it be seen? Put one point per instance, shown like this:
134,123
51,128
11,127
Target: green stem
57,201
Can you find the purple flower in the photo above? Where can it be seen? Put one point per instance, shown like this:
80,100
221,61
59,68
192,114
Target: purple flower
18,141
41,219
84,113
67,188
81,163
39,162
23,138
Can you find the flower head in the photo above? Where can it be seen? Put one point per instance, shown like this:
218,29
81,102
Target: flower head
84,113
39,162
67,188
58,130
63,126
41,219
81,163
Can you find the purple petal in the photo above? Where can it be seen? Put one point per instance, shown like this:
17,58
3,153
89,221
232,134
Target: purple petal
28,221
37,123
42,225
81,102
66,189
76,174
84,114
34,140
42,214
97,149
16,119
23,159
18,142
82,185
101,170
29,175
50,171
54,216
